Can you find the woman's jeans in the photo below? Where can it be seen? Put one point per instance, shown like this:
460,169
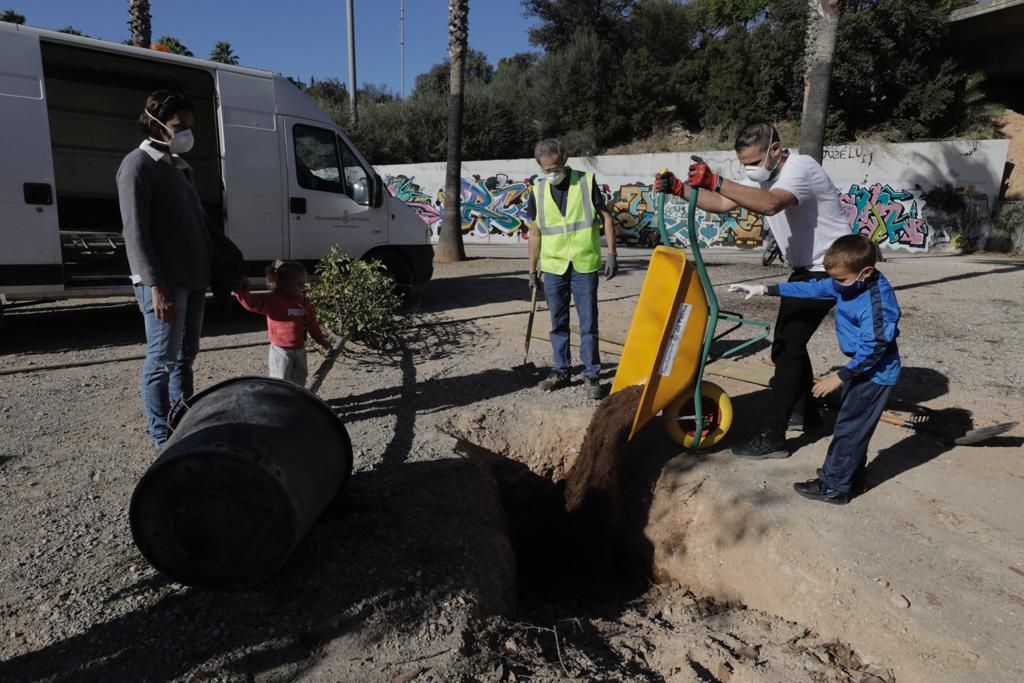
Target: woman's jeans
170,351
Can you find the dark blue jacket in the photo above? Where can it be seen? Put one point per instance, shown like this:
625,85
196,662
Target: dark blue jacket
867,324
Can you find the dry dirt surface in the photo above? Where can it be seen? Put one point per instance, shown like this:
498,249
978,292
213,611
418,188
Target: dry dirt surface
443,559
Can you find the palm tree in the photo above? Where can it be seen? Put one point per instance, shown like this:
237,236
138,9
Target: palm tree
822,22
140,22
71,30
223,53
12,17
449,245
174,46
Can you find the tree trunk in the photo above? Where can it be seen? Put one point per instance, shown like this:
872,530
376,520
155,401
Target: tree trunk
822,22
140,23
449,246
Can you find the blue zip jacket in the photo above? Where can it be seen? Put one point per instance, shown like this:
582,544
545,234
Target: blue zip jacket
866,325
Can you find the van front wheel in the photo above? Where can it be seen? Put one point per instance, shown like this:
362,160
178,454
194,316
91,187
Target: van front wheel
397,268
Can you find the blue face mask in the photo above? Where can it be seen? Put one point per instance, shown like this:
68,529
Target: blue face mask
854,287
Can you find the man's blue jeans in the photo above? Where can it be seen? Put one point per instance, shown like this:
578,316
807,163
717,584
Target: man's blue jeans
583,289
170,351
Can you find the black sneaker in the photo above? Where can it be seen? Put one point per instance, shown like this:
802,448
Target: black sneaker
554,381
816,489
857,486
808,425
594,388
762,447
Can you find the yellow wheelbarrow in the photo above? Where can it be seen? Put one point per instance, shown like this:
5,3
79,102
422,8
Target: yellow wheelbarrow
669,344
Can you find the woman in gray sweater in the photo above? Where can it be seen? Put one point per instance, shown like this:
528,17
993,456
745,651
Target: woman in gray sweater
167,235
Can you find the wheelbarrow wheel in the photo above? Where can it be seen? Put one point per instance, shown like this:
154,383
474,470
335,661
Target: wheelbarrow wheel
717,408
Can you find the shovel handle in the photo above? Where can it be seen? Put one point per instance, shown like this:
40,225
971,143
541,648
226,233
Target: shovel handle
898,421
529,323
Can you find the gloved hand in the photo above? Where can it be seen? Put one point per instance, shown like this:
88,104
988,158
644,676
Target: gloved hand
536,281
611,267
666,181
700,175
749,290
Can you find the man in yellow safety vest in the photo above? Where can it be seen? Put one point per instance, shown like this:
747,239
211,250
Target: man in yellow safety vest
566,211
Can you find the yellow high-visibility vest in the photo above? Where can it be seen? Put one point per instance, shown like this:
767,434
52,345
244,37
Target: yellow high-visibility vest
572,237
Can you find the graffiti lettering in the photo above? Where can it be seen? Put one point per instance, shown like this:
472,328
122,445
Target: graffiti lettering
881,213
865,156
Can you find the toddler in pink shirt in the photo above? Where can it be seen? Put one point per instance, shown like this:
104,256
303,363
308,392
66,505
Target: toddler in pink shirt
289,317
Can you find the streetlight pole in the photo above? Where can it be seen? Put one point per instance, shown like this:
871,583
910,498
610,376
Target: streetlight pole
352,61
401,40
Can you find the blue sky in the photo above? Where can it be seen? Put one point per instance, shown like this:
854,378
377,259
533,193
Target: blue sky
301,38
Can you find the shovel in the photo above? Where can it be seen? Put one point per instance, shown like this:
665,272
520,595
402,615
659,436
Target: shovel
969,438
529,331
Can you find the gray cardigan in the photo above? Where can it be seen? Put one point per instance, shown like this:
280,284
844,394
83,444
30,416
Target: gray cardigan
165,227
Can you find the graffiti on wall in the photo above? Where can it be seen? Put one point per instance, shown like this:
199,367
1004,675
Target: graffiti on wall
494,206
493,209
886,215
426,207
491,206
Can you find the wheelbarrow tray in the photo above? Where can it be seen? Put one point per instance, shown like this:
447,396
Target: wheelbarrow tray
666,336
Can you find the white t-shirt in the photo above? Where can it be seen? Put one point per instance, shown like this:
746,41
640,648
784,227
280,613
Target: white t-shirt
806,230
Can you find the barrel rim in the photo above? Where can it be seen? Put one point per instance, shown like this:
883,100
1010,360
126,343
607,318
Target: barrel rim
177,416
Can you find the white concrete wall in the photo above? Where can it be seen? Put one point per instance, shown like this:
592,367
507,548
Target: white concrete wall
915,196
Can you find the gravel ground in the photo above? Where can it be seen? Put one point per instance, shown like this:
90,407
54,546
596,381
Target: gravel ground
400,578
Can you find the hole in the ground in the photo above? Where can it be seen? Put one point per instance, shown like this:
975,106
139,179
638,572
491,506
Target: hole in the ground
580,541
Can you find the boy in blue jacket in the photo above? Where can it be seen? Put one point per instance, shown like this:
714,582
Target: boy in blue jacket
867,318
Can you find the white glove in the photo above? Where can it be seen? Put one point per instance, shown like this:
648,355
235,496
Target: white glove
749,290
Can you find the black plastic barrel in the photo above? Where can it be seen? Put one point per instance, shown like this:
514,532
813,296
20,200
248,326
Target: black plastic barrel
251,464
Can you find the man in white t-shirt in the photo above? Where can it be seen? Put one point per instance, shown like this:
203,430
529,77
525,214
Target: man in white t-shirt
801,206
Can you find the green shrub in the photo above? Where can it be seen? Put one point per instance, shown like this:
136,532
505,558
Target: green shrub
356,299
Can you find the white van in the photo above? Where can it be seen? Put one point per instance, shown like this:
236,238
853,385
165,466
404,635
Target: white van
270,166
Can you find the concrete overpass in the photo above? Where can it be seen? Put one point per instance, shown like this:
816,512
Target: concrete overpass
989,37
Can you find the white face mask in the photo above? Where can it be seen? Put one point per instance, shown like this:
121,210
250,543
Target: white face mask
761,173
557,176
181,142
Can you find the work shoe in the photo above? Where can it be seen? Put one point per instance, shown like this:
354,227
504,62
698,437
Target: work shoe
594,388
808,424
816,489
554,381
762,447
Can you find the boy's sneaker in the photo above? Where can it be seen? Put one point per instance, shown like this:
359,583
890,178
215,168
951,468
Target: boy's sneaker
554,381
762,447
816,489
858,485
594,389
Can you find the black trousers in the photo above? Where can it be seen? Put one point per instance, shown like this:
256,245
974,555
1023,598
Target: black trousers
791,386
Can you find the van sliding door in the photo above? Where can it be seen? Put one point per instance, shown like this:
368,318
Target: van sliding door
29,234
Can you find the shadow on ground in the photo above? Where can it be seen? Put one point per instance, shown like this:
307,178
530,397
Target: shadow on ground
390,549
84,326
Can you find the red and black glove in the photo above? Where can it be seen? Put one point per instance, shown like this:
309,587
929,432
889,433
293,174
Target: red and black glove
701,175
666,181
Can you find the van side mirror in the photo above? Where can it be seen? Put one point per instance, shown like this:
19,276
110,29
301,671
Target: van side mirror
378,190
